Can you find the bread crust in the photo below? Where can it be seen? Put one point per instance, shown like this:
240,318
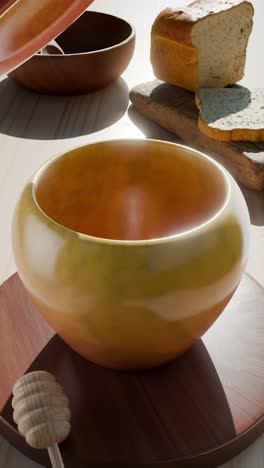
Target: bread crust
175,63
177,24
236,134
173,57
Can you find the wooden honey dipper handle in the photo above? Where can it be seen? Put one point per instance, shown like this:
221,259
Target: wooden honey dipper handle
42,413
55,456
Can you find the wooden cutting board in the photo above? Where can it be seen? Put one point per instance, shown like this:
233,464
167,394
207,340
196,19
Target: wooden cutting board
174,109
198,411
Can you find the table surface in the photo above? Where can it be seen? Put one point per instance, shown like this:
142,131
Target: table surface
34,128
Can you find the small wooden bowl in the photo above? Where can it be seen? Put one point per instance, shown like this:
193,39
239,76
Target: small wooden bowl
98,47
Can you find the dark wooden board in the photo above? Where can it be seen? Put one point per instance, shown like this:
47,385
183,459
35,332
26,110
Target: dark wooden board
200,410
174,109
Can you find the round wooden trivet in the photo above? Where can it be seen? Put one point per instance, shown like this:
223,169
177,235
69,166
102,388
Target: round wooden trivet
200,410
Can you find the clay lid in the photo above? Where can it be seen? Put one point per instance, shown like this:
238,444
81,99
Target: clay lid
26,26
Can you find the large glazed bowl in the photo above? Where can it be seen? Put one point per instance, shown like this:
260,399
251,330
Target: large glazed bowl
131,249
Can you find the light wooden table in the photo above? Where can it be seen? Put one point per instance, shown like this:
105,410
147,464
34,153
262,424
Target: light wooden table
34,128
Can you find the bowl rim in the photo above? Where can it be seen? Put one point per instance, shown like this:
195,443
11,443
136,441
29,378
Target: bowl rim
198,229
78,54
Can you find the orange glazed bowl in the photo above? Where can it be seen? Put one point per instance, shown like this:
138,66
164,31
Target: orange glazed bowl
131,249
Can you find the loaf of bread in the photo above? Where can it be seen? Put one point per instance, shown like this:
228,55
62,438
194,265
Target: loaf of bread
203,45
231,114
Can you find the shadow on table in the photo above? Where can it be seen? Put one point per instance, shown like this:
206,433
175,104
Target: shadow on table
255,200
25,114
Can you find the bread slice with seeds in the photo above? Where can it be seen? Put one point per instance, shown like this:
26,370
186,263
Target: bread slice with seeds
231,114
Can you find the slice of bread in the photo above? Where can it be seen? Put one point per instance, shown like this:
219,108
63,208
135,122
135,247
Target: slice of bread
203,45
231,114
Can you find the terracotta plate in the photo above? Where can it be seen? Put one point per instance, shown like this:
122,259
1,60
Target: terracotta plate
28,25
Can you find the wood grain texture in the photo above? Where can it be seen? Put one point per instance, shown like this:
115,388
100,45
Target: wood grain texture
55,457
23,347
200,410
41,410
174,109
33,128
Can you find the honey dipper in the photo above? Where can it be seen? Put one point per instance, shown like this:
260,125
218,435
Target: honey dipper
42,413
